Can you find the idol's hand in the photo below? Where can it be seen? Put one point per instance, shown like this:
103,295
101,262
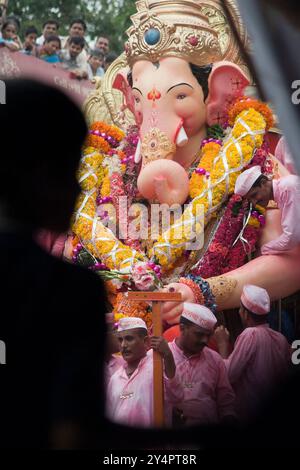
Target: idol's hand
171,311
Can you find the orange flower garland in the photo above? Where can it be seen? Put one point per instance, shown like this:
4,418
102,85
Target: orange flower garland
124,307
247,103
97,143
108,129
103,130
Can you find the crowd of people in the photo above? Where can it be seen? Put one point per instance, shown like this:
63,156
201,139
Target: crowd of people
72,52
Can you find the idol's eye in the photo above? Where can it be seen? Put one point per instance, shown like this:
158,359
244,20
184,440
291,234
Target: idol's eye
137,99
181,96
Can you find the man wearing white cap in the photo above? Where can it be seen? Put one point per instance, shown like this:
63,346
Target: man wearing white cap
208,395
261,356
130,389
259,189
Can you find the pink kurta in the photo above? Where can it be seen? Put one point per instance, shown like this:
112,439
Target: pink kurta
283,154
130,400
208,395
287,195
260,358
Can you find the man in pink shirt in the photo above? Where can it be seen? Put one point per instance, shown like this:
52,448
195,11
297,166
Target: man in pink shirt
283,154
261,356
130,389
259,189
208,395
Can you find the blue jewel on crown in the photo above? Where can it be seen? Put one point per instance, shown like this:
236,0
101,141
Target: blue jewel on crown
152,36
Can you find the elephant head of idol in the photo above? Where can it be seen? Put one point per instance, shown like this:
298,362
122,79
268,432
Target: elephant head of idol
175,85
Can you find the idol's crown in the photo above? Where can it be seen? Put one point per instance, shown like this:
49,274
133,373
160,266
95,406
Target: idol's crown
168,28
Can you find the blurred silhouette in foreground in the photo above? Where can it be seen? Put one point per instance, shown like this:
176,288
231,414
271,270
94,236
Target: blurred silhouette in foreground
50,387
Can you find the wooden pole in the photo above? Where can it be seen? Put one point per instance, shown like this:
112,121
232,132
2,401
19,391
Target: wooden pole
157,299
158,384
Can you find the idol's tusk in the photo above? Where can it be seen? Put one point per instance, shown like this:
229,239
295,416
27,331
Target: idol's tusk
182,138
138,156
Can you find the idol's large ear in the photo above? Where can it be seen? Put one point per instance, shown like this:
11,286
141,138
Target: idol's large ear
227,82
121,83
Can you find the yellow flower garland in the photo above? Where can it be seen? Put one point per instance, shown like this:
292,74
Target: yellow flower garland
253,221
105,188
98,239
210,192
90,172
197,182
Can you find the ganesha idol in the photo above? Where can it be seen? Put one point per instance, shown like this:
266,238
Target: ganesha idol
185,132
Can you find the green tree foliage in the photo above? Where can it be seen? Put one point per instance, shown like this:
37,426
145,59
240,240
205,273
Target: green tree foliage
108,17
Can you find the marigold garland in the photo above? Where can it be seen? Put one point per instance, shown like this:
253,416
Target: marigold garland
102,136
111,130
125,308
243,103
105,188
90,172
98,239
197,182
95,237
97,143
210,192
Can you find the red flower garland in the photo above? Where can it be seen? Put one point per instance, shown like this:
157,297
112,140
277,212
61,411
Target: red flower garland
237,255
212,263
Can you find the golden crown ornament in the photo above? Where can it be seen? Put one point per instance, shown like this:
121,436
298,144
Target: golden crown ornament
169,28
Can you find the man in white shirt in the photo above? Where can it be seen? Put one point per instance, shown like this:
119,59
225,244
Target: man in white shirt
102,43
50,28
77,29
